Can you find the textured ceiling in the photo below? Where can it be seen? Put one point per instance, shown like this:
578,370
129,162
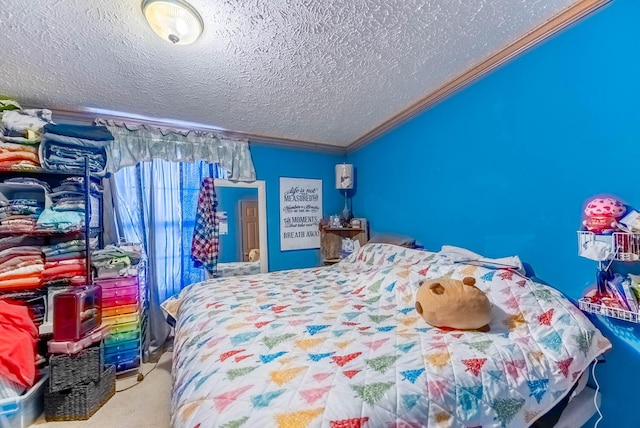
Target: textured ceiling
318,71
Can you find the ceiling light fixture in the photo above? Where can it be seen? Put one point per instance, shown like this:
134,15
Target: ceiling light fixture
176,21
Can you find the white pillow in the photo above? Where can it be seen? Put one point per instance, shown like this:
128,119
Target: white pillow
462,255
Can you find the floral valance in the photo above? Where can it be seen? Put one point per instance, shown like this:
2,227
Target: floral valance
135,143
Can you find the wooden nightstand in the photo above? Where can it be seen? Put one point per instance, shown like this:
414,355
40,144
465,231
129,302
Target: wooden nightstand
331,241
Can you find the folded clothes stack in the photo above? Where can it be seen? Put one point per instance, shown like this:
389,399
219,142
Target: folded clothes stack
14,155
65,147
65,263
112,261
20,135
21,263
28,205
29,180
19,215
67,209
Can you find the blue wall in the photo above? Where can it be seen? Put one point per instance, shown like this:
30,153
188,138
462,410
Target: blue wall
271,163
504,167
228,199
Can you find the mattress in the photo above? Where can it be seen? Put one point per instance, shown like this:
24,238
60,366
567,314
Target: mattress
342,346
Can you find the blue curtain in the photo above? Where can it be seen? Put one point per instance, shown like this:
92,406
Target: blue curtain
156,206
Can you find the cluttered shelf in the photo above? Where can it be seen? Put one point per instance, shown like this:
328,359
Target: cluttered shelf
586,305
611,233
51,222
615,295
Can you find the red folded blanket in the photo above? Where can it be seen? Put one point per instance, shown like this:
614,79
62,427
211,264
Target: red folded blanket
18,338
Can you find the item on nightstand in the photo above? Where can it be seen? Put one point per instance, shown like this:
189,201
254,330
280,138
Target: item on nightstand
76,312
334,221
602,215
348,246
453,304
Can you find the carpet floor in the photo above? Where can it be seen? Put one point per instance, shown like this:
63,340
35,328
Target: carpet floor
143,404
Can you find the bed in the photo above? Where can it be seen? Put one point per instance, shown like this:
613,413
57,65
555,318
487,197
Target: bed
342,346
237,268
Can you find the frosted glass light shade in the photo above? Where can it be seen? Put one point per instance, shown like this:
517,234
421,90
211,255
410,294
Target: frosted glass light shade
344,176
175,21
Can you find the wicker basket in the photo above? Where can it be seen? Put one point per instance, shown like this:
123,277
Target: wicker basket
81,401
69,370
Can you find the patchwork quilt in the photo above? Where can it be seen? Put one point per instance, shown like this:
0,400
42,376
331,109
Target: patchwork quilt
343,347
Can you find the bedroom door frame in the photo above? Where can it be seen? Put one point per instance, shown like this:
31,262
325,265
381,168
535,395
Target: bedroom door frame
262,214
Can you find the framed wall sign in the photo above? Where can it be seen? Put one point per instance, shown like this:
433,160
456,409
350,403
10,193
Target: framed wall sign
300,213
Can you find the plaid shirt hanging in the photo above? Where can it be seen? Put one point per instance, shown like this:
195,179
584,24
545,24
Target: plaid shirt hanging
205,243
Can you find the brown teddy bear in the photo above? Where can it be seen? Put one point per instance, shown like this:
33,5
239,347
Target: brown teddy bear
454,304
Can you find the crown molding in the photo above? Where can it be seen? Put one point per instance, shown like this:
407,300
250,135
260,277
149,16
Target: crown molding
554,25
298,145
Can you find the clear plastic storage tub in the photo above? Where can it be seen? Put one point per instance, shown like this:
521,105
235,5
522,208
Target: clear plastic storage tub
22,411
